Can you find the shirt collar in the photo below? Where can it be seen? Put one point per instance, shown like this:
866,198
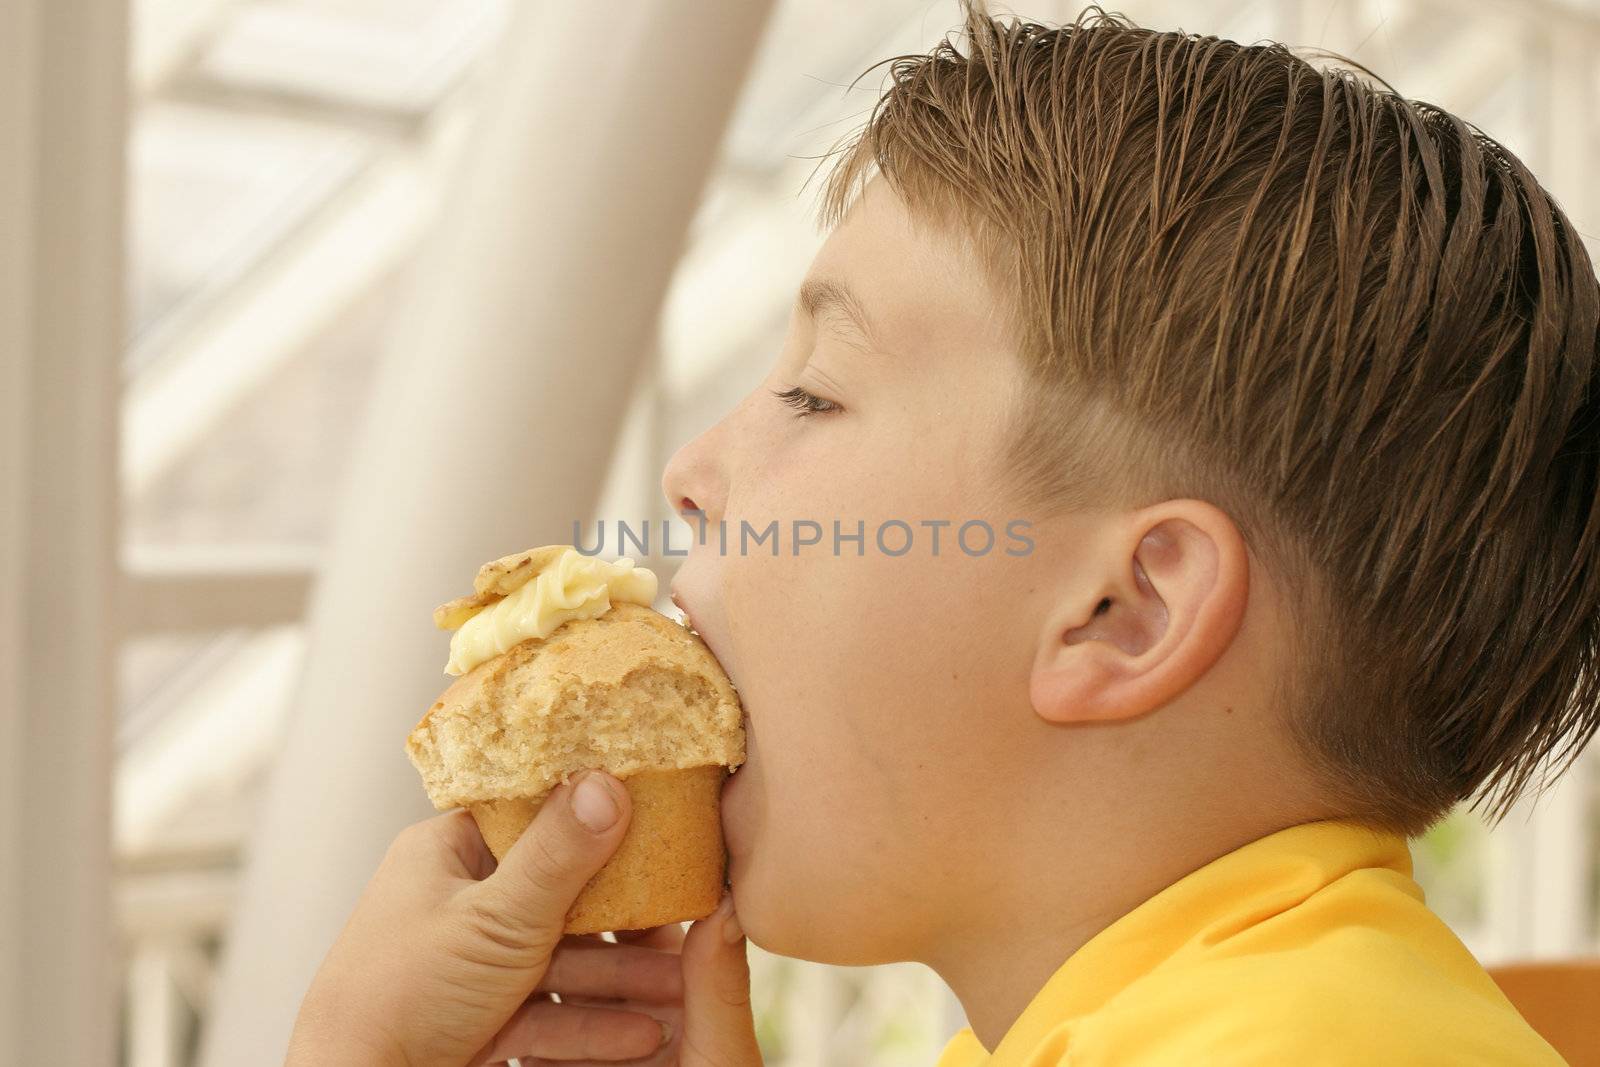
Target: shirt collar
1231,893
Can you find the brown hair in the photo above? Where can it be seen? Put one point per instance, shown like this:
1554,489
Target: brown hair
1350,320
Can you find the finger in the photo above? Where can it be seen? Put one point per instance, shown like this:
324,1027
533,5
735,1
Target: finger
533,888
719,1026
450,840
600,969
470,847
572,1032
668,937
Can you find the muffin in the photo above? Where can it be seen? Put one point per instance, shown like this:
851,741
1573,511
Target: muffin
561,664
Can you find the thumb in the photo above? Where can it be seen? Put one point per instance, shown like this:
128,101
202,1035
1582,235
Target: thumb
719,1026
577,829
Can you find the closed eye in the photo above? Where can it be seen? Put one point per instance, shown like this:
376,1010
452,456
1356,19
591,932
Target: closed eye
804,402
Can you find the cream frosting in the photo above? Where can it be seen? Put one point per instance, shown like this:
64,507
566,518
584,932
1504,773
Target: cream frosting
574,586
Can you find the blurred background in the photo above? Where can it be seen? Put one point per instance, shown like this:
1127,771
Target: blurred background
308,308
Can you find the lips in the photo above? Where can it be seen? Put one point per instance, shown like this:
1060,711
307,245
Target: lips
688,620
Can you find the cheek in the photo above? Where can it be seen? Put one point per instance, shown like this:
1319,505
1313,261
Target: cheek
866,678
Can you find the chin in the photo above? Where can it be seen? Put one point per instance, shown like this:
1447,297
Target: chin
774,923
765,929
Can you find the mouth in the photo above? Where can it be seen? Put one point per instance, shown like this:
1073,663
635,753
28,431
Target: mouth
688,619
688,622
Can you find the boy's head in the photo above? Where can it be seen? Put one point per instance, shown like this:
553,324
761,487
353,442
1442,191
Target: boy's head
1292,383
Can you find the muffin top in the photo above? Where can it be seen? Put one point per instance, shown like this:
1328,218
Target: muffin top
626,690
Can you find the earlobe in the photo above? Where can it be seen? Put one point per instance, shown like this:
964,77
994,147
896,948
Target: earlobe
1171,604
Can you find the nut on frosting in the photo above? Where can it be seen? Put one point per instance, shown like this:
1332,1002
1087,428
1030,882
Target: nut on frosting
529,594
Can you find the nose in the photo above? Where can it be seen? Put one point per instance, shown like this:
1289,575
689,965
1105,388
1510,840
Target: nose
696,480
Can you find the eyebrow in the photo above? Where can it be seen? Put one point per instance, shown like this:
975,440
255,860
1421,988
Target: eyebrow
819,297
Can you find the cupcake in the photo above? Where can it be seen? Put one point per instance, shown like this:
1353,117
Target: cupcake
561,665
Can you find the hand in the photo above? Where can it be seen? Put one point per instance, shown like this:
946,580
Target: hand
698,985
439,960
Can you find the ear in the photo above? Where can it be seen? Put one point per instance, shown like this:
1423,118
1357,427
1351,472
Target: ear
1177,579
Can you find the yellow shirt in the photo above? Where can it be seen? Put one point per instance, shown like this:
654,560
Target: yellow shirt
1310,946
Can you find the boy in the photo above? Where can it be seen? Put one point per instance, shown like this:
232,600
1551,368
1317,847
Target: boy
1285,389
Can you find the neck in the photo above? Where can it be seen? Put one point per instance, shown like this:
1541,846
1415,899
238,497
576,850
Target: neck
1002,950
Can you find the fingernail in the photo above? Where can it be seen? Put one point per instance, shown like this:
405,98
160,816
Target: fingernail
592,803
731,930
666,1032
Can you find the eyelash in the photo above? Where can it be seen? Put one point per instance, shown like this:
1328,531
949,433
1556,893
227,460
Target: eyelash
805,403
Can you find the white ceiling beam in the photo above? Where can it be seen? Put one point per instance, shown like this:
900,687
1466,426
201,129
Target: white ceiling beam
265,320
193,380
173,905
215,736
193,590
1553,17
169,33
